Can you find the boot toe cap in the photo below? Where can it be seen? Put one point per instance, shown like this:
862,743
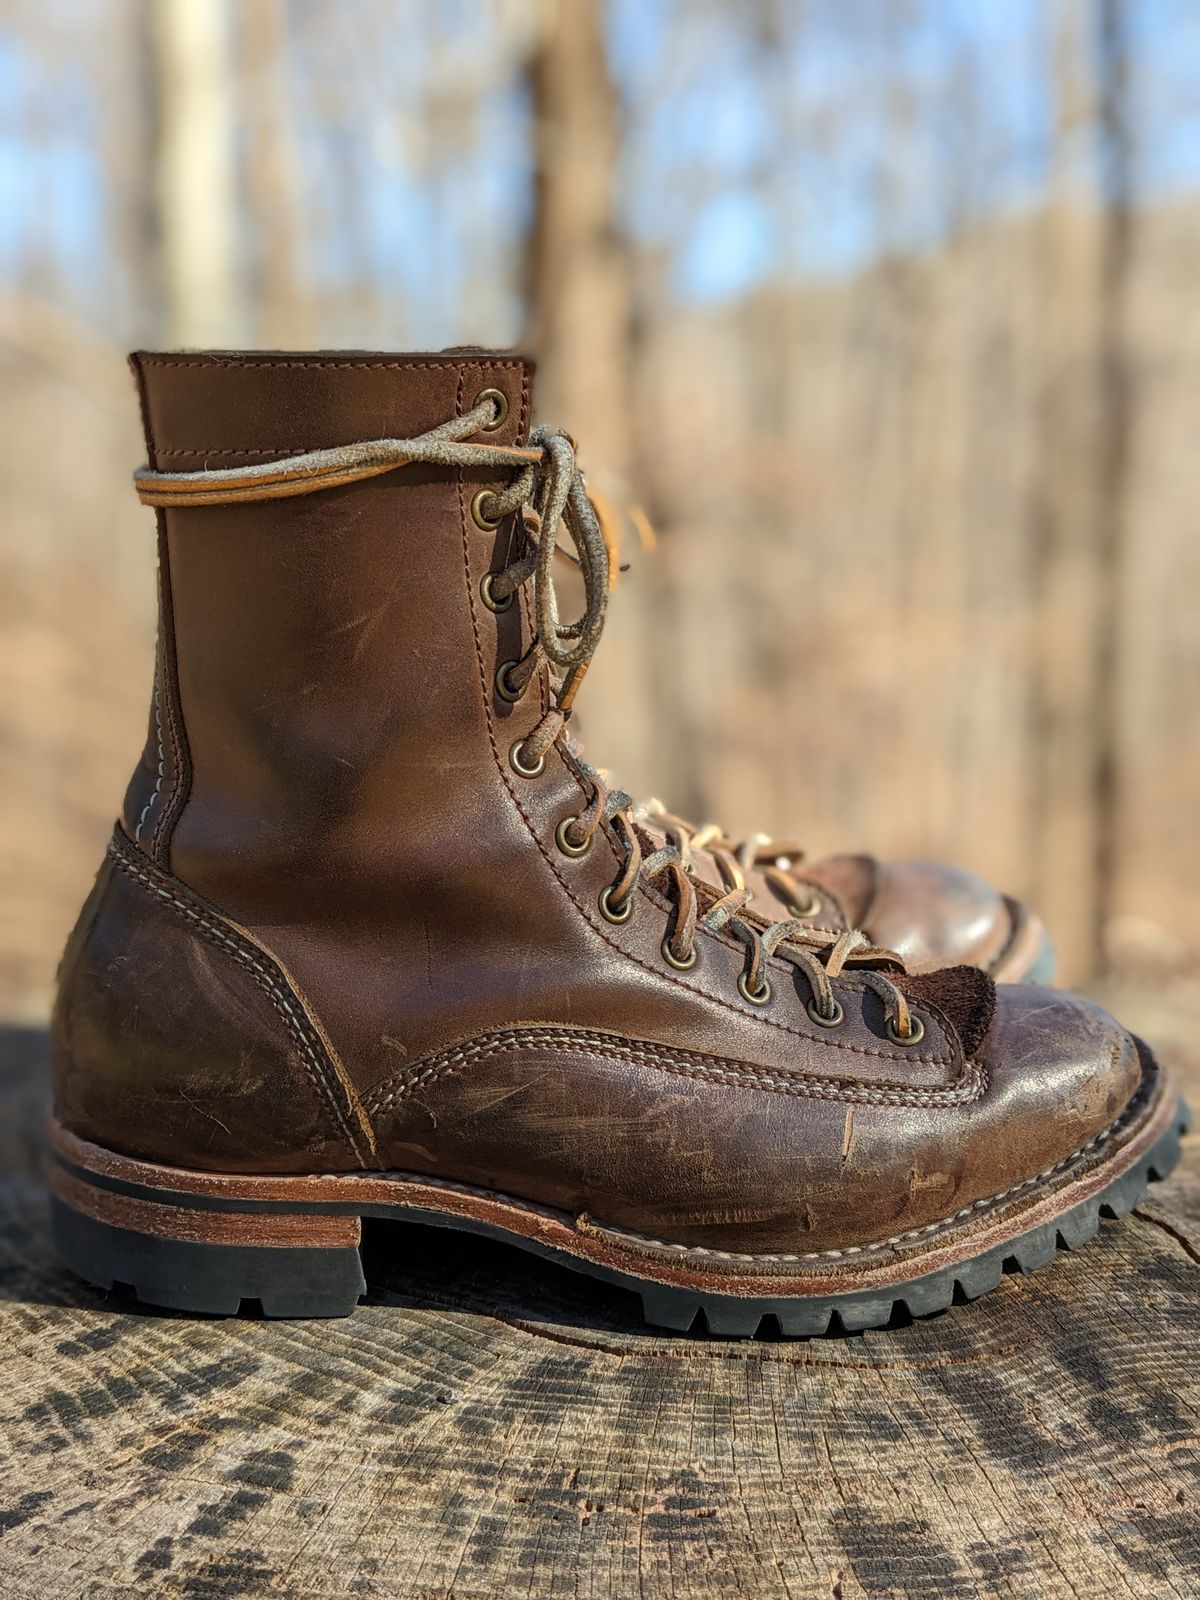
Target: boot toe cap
938,916
1060,1072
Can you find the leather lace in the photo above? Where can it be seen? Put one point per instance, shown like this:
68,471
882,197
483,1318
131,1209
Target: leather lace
759,852
549,497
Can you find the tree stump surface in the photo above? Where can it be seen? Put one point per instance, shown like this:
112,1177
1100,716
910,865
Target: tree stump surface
491,1427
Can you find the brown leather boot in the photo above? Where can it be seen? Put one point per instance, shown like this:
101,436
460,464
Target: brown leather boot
930,914
372,940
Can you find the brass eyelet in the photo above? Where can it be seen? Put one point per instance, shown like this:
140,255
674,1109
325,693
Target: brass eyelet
480,516
504,689
835,1018
488,594
620,914
916,1031
563,841
500,400
533,770
756,997
810,908
673,960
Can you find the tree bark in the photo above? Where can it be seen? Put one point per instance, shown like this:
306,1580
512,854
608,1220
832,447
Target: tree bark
197,172
1078,510
580,289
489,1427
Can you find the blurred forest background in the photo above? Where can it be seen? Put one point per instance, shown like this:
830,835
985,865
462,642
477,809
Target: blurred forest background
885,311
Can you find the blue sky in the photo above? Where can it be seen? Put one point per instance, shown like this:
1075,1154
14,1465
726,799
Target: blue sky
874,125
968,84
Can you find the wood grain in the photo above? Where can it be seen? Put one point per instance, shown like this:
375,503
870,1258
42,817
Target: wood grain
488,1426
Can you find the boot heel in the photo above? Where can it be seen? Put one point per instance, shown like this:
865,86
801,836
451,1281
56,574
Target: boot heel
225,1260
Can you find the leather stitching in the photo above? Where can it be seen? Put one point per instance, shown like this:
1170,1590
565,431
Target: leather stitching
268,980
586,1224
361,365
683,1063
1105,1136
167,668
160,685
167,682
180,780
776,964
449,364
207,450
158,730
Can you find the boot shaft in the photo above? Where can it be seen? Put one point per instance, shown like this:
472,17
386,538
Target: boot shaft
339,832
337,758
321,666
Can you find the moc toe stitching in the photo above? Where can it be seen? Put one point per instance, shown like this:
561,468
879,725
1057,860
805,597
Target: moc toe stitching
969,1087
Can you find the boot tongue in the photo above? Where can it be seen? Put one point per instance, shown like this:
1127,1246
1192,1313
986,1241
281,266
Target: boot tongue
849,879
965,995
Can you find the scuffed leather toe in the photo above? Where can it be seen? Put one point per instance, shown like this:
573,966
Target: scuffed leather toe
937,916
931,915
1057,1073
1060,1072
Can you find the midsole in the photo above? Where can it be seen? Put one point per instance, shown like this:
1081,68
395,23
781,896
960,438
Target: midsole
325,1210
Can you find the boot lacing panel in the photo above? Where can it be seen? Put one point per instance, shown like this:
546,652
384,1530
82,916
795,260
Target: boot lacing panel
548,494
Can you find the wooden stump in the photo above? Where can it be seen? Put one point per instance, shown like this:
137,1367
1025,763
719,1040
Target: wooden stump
488,1427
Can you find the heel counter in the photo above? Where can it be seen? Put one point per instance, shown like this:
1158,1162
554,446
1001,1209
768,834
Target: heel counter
68,985
178,1038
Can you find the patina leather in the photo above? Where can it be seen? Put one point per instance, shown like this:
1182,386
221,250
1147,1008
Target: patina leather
336,933
932,914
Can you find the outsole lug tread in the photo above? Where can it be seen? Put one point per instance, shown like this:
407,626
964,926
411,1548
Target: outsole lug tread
223,1281
665,1307
731,1321
926,1299
194,1305
872,1313
1078,1227
812,1322
1037,1249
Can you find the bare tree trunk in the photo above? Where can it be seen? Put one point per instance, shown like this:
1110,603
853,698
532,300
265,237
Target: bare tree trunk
197,172
1113,555
580,324
579,280
282,312
1068,739
128,141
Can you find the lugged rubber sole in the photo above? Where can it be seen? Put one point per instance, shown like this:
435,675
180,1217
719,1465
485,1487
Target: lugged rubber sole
203,1243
